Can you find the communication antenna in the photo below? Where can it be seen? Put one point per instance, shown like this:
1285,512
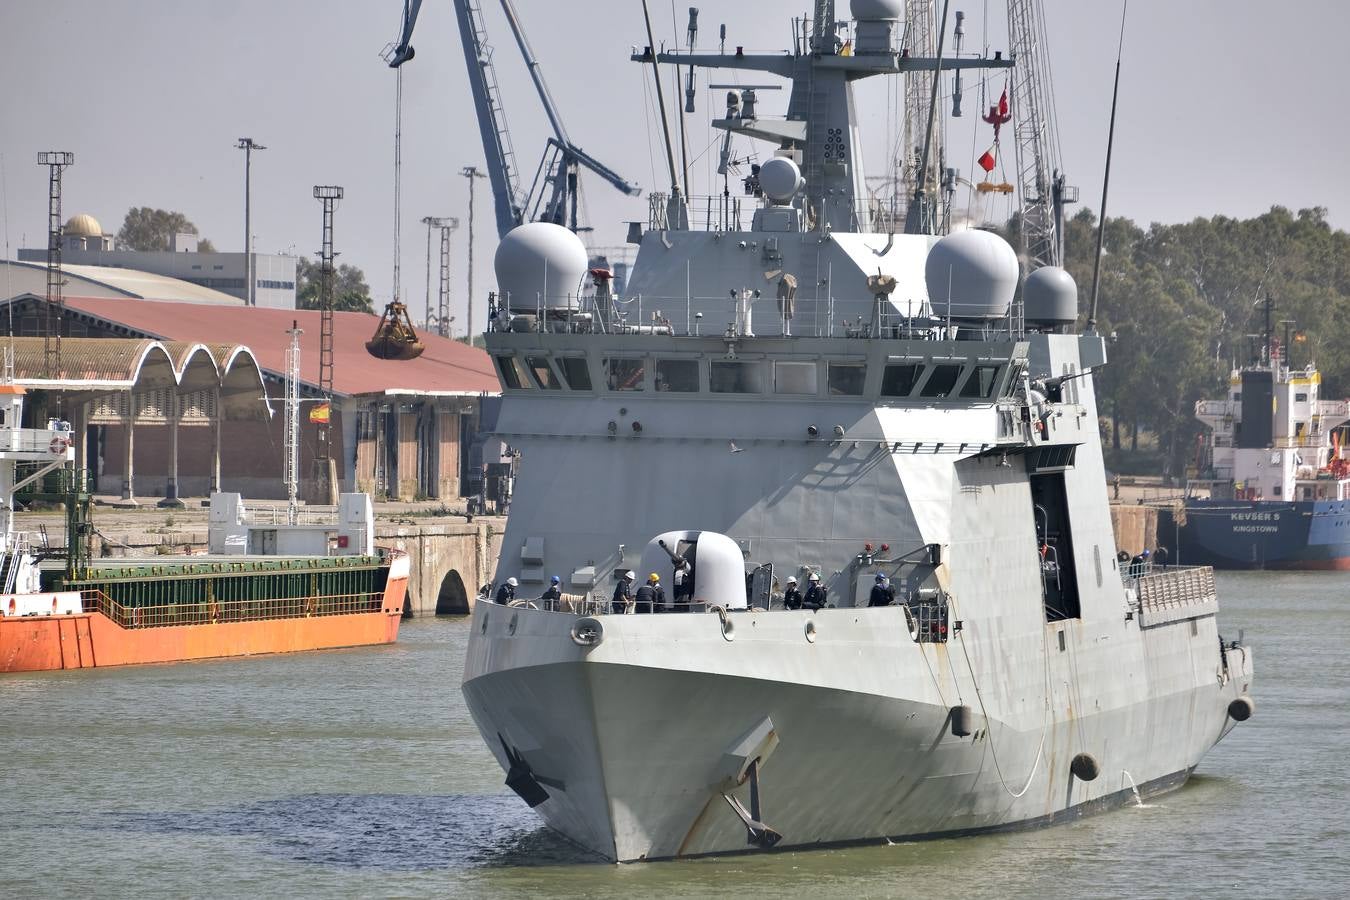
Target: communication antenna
56,162
328,195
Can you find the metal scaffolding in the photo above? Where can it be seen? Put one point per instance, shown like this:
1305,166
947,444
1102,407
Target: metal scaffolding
55,161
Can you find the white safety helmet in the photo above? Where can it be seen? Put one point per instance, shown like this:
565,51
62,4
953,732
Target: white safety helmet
512,581
814,577
792,579
630,575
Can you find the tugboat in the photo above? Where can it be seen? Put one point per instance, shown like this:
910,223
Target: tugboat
1274,477
820,400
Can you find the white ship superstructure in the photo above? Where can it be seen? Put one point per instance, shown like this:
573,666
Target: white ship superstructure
811,398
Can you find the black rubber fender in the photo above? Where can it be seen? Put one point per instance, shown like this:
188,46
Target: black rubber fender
1241,709
1085,767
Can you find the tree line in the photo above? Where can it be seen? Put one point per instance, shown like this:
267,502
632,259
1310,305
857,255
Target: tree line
1183,303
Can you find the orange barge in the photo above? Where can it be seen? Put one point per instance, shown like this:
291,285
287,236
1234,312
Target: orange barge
185,610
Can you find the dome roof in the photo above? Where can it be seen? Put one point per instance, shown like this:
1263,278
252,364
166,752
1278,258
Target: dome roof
84,225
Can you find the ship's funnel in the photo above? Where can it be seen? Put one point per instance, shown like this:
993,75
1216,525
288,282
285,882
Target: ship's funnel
971,276
540,264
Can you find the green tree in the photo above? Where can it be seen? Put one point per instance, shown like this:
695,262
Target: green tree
350,291
153,229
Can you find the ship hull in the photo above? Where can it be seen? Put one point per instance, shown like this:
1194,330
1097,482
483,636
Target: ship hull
632,750
1238,534
86,640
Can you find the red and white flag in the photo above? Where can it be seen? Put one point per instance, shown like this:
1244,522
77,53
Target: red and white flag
1003,103
987,160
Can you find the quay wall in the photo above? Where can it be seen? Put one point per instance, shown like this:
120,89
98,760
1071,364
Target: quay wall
1136,527
449,561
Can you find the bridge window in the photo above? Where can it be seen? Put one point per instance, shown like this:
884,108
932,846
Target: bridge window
677,375
625,374
575,372
981,382
899,381
794,378
543,373
846,379
941,381
513,374
736,378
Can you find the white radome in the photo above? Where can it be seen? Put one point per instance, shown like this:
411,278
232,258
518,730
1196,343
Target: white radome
540,261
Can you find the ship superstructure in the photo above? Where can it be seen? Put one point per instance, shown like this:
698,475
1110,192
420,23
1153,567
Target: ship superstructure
811,398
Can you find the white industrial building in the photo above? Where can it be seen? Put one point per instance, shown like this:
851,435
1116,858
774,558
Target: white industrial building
84,243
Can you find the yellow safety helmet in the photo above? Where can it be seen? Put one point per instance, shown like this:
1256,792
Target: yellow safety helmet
653,577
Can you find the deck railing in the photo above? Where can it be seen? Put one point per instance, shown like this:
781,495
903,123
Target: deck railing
229,610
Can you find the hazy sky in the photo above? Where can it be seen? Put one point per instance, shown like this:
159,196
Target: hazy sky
1226,107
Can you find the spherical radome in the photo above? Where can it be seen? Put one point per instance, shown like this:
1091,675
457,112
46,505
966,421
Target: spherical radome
780,179
1051,297
872,10
84,225
540,262
971,275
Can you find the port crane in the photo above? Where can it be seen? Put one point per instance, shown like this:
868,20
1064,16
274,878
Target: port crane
552,196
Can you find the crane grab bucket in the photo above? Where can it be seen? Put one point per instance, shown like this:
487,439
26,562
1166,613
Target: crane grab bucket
394,337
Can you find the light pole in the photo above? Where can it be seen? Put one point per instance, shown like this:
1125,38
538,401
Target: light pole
248,145
471,173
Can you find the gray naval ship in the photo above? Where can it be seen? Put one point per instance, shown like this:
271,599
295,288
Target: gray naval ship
819,400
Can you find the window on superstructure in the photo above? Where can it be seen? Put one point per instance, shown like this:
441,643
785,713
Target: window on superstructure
575,372
794,378
899,381
513,375
677,375
543,373
1300,398
846,379
980,383
940,381
625,374
736,378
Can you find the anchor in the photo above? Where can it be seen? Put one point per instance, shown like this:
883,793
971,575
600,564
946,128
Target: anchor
741,763
523,780
758,834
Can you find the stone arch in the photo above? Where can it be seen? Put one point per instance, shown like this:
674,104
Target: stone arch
452,599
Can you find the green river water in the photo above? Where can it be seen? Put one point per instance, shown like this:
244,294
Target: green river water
359,773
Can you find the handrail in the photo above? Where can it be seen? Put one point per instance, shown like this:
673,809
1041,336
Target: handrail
1175,587
201,613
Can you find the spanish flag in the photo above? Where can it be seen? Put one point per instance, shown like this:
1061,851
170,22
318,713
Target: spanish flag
320,412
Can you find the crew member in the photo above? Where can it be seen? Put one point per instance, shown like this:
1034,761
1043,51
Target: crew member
1160,556
815,594
684,585
882,594
507,592
622,601
554,591
650,597
1139,565
792,597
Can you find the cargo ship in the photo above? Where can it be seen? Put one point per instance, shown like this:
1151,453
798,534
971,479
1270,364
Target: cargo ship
273,581
1273,490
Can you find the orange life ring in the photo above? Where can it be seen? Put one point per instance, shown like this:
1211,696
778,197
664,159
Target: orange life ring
58,445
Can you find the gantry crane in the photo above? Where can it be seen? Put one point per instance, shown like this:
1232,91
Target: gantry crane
552,197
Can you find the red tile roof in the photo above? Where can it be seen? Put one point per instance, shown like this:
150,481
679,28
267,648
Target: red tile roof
446,365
